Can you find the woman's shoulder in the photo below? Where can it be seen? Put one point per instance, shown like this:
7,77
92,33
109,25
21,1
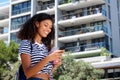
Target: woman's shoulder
25,41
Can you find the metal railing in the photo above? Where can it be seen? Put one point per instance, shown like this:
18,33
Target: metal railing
86,47
83,30
46,6
69,1
75,14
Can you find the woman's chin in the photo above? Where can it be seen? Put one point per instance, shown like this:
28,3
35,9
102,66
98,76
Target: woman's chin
44,36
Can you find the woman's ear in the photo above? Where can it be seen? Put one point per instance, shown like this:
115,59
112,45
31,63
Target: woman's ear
37,24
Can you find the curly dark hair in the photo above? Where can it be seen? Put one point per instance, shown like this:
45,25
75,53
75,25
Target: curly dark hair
29,29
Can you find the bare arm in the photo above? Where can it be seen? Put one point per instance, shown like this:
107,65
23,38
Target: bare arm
32,70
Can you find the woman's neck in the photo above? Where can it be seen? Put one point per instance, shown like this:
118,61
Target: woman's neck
38,39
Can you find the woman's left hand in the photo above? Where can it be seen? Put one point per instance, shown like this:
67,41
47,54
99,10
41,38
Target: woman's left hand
57,63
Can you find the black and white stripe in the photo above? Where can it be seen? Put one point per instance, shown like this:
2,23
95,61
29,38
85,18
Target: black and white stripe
39,52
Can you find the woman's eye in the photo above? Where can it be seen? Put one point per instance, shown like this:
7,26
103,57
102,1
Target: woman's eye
46,25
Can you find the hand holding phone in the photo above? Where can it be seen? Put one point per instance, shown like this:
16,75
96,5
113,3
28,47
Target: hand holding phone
52,50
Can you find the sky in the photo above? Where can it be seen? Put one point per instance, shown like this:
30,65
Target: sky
3,1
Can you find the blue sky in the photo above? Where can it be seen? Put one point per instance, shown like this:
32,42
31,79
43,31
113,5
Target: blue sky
3,0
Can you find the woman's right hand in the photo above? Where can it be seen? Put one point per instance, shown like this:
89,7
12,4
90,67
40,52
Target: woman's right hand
55,55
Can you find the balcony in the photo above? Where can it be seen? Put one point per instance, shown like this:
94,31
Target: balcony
47,8
4,36
4,11
82,30
82,33
83,17
113,63
77,4
4,22
87,47
95,59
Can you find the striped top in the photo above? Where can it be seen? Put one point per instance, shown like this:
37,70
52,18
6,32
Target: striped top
38,53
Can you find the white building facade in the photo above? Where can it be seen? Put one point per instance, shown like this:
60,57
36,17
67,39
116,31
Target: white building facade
82,27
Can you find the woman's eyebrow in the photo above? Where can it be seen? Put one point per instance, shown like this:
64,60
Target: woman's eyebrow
47,24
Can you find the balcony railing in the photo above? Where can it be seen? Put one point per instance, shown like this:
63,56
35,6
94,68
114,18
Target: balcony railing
83,30
68,1
4,17
74,14
87,47
46,6
19,11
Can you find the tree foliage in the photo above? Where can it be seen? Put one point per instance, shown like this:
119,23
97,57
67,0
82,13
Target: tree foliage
8,56
72,70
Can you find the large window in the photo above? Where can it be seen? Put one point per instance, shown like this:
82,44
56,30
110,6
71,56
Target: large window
13,37
16,23
21,8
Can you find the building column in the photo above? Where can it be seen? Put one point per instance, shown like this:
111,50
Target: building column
33,7
56,23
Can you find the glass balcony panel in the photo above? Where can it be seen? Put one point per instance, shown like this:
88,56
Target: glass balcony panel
87,47
64,1
46,6
76,14
83,30
68,1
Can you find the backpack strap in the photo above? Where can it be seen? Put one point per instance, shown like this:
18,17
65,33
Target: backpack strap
20,71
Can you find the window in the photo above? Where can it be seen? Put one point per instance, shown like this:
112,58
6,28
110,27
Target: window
17,22
21,8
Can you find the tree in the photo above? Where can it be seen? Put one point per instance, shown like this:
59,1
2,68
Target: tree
72,70
8,56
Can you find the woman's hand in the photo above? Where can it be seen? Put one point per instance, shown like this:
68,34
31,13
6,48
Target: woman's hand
55,55
56,64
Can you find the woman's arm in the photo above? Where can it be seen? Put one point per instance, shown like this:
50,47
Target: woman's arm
32,70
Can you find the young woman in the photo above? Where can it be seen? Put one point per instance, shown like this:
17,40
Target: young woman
36,37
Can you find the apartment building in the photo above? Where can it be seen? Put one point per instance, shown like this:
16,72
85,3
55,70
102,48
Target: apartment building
83,27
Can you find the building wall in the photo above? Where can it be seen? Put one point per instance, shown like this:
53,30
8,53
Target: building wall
115,28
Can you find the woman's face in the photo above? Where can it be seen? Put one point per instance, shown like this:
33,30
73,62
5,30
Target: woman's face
44,27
